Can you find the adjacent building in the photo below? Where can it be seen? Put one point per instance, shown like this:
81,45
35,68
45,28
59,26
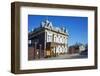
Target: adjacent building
48,40
77,48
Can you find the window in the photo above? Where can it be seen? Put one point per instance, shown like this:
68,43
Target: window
54,38
29,41
49,38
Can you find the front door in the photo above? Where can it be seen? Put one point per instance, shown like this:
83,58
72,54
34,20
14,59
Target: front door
48,53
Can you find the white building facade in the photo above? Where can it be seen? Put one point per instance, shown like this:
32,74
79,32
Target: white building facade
56,36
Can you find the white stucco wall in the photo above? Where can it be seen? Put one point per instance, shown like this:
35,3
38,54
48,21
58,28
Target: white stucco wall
58,38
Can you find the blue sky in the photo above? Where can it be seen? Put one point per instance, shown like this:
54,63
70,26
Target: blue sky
77,26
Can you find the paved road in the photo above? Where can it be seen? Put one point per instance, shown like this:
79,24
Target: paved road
65,56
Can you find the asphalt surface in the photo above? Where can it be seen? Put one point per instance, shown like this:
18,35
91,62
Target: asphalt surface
65,56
